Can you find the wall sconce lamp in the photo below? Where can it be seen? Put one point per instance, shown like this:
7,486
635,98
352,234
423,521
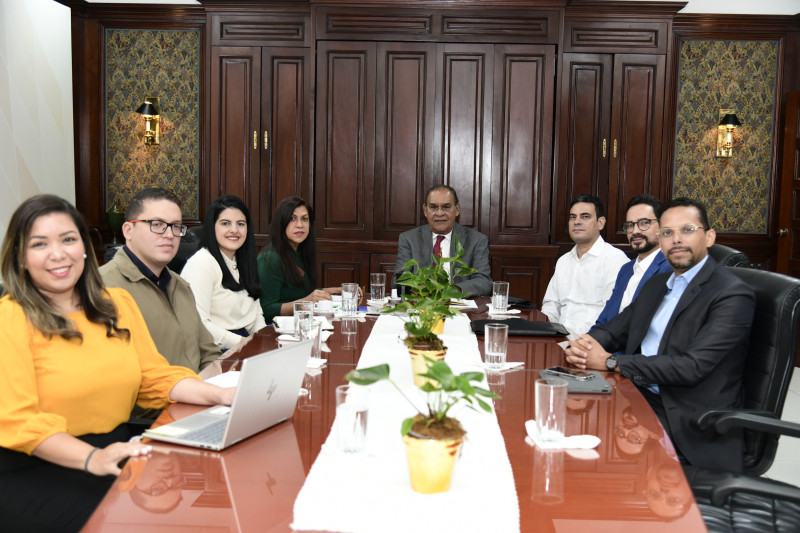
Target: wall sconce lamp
150,110
727,124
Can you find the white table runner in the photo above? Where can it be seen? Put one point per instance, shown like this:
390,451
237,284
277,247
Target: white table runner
371,491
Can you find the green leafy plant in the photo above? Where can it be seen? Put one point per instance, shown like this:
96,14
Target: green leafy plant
430,290
442,394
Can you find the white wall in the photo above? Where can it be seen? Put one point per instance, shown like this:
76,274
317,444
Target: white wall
36,126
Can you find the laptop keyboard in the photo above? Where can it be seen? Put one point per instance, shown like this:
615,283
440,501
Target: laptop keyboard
210,434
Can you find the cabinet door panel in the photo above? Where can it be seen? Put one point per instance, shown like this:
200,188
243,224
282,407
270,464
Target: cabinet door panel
337,268
235,103
285,138
636,128
522,147
345,139
584,123
465,109
404,129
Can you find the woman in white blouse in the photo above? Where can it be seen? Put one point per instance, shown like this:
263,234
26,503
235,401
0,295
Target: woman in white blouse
223,273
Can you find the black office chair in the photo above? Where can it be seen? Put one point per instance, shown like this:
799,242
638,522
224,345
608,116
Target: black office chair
727,256
186,249
746,502
110,253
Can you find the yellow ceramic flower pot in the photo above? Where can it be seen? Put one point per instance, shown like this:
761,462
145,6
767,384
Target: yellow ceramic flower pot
438,329
431,462
418,363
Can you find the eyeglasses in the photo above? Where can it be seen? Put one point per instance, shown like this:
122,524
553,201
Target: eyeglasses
642,223
166,484
444,207
160,227
685,231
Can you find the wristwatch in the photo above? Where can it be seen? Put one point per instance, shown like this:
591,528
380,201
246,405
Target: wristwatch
611,363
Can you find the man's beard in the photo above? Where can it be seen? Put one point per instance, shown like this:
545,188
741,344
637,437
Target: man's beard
646,246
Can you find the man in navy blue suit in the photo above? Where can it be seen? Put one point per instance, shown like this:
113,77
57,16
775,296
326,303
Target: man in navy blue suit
641,226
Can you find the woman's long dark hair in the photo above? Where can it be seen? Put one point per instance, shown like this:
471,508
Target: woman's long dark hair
245,255
280,243
95,302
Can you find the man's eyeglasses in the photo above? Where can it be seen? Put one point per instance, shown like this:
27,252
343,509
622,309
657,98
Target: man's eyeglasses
685,231
444,207
160,227
642,223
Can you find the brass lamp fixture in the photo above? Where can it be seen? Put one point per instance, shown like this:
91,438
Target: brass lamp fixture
150,110
727,124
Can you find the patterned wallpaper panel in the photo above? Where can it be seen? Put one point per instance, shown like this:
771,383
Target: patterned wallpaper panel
715,75
163,64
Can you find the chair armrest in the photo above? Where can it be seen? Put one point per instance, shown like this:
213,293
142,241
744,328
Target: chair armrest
726,420
753,485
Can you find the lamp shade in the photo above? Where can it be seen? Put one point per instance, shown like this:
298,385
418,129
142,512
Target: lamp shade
730,120
147,109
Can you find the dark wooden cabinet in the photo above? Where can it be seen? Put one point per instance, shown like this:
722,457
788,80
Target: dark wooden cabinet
610,133
260,112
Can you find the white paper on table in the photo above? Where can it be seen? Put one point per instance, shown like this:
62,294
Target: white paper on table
226,379
462,304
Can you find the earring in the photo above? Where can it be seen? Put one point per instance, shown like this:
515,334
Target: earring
85,256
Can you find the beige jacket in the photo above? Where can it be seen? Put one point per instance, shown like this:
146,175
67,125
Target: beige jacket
175,325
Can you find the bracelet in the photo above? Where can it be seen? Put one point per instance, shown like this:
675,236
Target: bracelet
86,464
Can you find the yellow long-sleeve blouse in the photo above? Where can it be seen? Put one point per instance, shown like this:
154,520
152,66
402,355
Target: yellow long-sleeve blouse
52,385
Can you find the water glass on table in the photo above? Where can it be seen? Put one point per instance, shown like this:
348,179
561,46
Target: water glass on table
551,408
500,296
305,306
351,417
495,344
312,330
349,299
377,286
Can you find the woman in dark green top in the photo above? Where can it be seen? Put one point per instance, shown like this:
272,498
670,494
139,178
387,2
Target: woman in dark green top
288,266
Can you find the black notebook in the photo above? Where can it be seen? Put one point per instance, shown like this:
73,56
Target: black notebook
522,327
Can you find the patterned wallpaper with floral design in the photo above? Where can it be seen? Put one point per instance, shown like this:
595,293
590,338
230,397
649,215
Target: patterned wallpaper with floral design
716,75
163,64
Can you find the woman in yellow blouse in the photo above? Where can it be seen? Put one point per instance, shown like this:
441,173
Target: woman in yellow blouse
76,358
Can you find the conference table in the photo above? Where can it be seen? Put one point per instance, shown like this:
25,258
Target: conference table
630,482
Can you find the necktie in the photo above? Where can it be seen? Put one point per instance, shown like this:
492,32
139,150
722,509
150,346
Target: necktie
437,248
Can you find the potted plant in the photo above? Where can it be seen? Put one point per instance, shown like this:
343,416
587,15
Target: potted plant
432,438
431,289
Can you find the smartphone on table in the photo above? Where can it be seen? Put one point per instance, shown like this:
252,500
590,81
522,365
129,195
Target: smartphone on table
571,373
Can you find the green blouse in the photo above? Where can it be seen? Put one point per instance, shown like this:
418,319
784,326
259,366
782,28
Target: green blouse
275,289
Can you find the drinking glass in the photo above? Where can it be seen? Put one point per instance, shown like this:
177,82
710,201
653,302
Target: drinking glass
349,299
351,417
495,339
500,296
377,286
303,305
312,330
551,408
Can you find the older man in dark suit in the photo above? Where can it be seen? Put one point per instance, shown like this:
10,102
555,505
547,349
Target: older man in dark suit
441,209
684,339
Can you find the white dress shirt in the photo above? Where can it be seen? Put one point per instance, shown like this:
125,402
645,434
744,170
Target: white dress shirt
639,268
580,287
221,309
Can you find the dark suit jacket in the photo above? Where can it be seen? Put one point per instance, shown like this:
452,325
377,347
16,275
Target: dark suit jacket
700,361
417,244
659,264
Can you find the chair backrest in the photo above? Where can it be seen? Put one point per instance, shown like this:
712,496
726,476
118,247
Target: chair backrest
727,256
770,356
110,252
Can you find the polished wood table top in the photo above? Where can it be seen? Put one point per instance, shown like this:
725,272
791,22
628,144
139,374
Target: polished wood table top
630,482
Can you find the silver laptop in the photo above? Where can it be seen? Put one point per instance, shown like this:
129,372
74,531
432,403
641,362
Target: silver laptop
265,395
